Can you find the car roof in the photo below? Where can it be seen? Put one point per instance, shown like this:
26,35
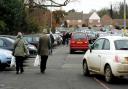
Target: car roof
113,38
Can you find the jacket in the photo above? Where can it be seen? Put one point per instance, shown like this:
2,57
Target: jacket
44,45
20,49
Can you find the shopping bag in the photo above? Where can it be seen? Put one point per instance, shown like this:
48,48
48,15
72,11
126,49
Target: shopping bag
37,60
13,62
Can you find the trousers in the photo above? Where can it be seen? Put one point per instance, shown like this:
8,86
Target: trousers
19,63
43,63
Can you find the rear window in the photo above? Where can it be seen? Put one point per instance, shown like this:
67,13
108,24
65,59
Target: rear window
28,39
79,36
121,44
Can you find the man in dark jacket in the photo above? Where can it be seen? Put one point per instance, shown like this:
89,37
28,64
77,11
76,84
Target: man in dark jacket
43,50
51,42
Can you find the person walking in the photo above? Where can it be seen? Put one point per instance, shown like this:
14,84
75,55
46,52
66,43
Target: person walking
43,50
51,42
20,52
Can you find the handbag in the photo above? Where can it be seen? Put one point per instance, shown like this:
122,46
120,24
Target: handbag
37,60
13,63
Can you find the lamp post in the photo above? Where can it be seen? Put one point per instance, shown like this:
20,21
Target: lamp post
51,18
124,16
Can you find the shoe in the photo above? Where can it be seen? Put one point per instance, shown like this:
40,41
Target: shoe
21,71
17,72
42,72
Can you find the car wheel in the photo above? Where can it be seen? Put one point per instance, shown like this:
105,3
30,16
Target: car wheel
71,51
108,74
85,69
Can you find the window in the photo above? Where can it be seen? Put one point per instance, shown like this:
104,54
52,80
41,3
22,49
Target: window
121,44
98,45
79,21
28,39
68,21
79,36
1,43
106,45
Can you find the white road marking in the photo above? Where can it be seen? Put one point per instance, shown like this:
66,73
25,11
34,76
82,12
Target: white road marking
101,83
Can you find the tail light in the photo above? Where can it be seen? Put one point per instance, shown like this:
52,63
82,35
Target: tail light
86,42
72,42
117,59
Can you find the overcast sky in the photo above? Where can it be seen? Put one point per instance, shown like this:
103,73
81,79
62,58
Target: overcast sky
87,5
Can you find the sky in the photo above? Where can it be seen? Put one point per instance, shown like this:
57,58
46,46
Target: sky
87,5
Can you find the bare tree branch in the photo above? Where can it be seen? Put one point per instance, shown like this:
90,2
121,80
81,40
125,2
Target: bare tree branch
40,3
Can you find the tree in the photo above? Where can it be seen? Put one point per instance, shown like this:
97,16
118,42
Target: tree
103,12
58,16
73,10
43,3
115,14
12,15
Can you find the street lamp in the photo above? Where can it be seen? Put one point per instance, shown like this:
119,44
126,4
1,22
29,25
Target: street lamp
51,18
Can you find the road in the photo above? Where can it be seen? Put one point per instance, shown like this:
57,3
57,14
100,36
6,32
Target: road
64,71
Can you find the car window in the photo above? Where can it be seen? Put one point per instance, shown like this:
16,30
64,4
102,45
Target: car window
1,43
36,39
98,45
28,39
79,36
121,44
106,45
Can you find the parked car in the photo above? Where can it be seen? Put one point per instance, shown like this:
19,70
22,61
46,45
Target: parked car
5,58
57,39
7,43
107,56
32,39
78,41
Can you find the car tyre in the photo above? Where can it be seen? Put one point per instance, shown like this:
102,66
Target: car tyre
108,74
71,51
85,69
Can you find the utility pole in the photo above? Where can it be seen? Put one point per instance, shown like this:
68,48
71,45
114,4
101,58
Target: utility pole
124,29
124,14
51,18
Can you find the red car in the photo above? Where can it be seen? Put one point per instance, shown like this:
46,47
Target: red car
79,42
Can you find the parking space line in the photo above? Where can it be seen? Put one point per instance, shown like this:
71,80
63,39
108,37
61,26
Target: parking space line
101,83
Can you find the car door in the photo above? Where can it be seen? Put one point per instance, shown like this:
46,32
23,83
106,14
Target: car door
105,53
94,55
5,44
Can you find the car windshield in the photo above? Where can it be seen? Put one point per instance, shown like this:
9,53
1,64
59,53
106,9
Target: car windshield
79,36
36,39
28,39
121,44
11,40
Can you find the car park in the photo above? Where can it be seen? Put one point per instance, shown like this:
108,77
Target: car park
5,58
107,56
78,42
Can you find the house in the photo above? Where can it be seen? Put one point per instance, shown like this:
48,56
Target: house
106,20
92,19
74,19
78,19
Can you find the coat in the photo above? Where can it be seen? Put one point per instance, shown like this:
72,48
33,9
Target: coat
20,49
44,45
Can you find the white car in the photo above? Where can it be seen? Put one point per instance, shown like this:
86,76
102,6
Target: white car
107,56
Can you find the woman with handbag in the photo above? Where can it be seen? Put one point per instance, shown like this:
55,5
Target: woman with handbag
20,52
